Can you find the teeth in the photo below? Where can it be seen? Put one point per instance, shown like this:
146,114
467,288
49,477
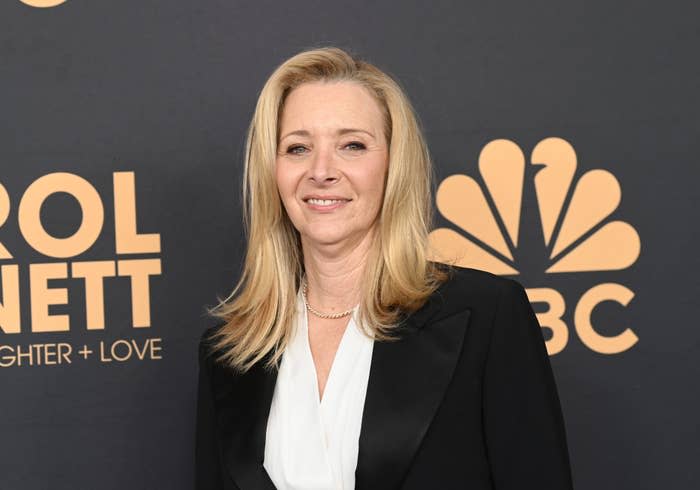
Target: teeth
324,202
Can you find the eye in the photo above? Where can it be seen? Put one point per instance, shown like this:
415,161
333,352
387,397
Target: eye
355,145
296,149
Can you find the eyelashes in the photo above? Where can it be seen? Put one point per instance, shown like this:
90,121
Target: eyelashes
356,145
295,150
301,149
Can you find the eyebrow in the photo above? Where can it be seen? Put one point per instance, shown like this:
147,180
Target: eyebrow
340,132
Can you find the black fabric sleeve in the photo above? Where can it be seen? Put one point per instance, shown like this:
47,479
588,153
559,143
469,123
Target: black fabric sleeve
523,422
207,465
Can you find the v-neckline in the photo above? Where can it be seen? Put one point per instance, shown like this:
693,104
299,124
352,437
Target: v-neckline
310,358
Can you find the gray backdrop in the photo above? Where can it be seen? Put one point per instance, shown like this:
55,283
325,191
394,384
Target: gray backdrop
165,90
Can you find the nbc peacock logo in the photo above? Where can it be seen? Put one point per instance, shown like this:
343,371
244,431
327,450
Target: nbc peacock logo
574,218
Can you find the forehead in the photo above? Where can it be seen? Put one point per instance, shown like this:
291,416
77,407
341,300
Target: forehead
328,105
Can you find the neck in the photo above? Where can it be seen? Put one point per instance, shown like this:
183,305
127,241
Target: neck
334,277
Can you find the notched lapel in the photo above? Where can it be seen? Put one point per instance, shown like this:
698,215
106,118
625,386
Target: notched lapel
243,404
407,382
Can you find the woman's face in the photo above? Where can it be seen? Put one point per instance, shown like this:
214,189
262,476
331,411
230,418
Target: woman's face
332,160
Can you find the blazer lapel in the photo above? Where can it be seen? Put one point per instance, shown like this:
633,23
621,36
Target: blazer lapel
243,406
407,381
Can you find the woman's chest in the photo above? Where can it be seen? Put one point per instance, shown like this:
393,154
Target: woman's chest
324,339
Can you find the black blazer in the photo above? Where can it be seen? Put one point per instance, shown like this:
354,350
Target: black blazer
466,399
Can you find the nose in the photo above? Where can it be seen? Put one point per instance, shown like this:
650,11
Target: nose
323,169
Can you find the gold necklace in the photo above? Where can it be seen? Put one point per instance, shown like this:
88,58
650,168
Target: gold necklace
331,316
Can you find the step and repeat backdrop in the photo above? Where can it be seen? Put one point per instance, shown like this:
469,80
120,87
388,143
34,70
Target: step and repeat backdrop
565,137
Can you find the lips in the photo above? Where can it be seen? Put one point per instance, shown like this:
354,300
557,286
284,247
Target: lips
319,202
325,202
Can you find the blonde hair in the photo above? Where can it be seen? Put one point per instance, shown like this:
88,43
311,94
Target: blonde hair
398,277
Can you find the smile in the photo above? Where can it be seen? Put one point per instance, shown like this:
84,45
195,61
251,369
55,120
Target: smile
325,202
319,204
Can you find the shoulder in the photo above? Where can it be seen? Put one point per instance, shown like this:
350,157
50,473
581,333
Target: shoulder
207,340
468,284
221,377
209,354
473,289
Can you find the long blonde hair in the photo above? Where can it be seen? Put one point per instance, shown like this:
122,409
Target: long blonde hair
398,277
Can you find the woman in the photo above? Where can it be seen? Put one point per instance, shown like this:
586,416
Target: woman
345,358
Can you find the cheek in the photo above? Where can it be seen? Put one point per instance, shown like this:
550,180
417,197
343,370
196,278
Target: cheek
375,181
370,185
285,181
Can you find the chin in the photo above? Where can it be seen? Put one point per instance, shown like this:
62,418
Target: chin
325,239
326,236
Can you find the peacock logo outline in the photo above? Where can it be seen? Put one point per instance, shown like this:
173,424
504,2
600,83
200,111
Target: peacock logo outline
577,234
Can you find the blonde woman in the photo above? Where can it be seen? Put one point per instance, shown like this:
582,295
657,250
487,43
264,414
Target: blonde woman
344,357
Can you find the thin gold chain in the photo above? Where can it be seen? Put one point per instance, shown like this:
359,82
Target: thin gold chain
319,314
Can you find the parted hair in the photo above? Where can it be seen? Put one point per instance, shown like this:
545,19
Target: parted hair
398,277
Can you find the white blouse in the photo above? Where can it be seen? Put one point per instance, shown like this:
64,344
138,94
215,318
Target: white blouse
310,444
